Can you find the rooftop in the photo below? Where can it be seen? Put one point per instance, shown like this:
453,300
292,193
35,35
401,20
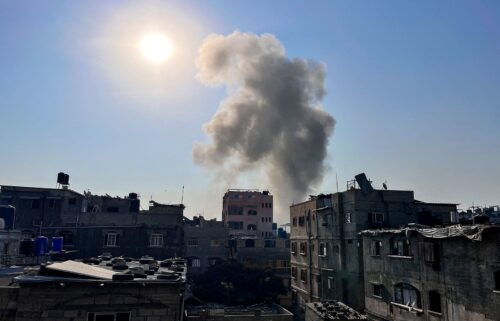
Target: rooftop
35,189
220,310
334,310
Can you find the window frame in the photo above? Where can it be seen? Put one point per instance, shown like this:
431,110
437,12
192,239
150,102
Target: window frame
116,239
156,236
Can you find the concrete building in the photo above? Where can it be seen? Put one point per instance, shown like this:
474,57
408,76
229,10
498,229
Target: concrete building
73,291
248,212
331,311
326,257
258,312
39,210
206,243
432,274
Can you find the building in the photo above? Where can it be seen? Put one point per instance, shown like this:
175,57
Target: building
326,257
93,224
258,312
415,273
331,311
74,291
44,210
157,232
248,212
206,243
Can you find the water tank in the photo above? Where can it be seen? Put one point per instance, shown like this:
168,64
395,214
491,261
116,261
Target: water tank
41,245
132,196
60,178
27,247
66,179
57,243
8,213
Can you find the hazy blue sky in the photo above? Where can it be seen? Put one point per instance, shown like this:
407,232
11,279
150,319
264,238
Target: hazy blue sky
414,87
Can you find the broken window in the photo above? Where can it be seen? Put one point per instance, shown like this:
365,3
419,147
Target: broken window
303,248
377,290
303,275
400,247
408,295
434,301
375,248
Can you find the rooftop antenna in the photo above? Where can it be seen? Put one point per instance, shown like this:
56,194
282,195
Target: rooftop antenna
182,197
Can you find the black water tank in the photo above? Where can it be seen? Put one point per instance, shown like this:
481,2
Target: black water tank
66,179
60,178
132,196
27,247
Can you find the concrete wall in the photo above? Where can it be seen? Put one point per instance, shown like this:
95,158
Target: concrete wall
463,278
73,301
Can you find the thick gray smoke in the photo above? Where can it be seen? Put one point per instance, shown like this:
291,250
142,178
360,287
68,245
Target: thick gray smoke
271,118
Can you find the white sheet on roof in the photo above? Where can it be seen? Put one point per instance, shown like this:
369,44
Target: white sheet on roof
83,269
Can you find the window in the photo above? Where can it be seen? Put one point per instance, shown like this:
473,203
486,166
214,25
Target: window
111,239
233,210
377,290
375,247
303,275
192,242
249,243
434,301
431,252
252,212
108,316
235,225
113,209
270,205
377,218
348,218
72,201
302,220
6,200
294,273
156,240
251,227
303,248
193,262
214,242
35,203
284,263
294,247
53,203
330,283
294,221
270,243
497,280
400,247
323,249
406,294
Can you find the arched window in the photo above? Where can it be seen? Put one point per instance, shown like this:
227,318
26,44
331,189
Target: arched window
251,227
407,294
434,301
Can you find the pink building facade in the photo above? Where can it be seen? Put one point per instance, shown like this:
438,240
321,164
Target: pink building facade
248,212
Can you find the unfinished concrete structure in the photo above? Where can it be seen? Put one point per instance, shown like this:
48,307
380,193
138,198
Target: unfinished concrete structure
206,243
432,274
248,212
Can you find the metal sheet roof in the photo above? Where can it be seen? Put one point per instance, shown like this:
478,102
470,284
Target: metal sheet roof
80,268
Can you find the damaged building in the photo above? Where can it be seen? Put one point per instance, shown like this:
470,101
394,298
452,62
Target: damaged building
327,260
422,273
331,311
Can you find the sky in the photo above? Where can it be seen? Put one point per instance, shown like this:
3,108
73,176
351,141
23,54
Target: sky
413,87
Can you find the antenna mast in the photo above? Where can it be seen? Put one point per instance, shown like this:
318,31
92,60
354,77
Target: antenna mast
182,197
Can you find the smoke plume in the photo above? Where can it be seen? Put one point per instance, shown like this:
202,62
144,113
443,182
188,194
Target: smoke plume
271,118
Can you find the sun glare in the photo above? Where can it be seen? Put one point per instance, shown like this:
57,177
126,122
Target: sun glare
155,47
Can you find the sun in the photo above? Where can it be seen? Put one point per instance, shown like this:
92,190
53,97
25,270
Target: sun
155,47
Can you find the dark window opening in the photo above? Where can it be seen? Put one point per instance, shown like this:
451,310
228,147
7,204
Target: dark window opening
249,243
377,290
72,201
400,247
408,295
113,209
35,203
434,301
497,280
251,227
